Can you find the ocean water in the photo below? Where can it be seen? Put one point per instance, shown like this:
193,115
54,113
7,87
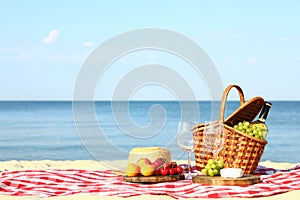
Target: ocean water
38,130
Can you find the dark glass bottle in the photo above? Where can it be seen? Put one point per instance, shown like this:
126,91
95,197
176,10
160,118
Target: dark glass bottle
261,121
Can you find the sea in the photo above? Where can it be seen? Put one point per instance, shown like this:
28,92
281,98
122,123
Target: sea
108,130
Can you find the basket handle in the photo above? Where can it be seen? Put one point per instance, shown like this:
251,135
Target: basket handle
224,99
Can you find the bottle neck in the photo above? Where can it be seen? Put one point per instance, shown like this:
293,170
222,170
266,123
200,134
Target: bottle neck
264,113
261,120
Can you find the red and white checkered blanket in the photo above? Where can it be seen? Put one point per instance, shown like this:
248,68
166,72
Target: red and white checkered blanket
45,183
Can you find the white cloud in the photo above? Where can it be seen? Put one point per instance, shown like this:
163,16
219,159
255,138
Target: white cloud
88,44
51,36
251,60
285,39
289,39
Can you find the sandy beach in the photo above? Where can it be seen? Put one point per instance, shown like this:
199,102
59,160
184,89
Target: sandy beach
95,165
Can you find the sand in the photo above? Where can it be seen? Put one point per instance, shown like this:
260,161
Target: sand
95,165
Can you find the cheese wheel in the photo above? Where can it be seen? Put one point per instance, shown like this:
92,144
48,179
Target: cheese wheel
231,173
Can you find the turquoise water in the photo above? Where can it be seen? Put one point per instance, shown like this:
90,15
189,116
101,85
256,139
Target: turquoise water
46,130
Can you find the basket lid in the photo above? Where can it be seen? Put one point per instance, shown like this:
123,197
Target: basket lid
246,112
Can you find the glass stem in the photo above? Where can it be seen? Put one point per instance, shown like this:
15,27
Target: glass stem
215,154
189,163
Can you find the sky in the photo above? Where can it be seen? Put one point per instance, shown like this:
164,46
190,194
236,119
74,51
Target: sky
44,44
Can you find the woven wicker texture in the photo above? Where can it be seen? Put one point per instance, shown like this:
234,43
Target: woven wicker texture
239,150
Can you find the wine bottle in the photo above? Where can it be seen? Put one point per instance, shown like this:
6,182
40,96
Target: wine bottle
261,121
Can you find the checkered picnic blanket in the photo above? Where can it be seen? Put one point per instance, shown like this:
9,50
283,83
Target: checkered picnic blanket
46,183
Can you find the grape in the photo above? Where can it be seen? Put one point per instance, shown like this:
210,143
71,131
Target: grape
213,167
247,124
207,167
210,161
204,171
220,164
250,129
216,172
261,137
211,172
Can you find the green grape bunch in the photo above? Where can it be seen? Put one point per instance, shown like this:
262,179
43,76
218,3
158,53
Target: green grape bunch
251,129
213,167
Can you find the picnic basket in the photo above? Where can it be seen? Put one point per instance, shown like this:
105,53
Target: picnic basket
239,150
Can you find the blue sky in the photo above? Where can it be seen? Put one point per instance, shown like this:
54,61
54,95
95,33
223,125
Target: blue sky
43,44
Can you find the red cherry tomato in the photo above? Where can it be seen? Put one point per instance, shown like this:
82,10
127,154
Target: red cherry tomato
157,172
179,169
172,171
164,171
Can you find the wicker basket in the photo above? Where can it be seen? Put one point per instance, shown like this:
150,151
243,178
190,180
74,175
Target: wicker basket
239,150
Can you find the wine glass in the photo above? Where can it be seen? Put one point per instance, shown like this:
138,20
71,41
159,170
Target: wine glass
186,141
213,137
